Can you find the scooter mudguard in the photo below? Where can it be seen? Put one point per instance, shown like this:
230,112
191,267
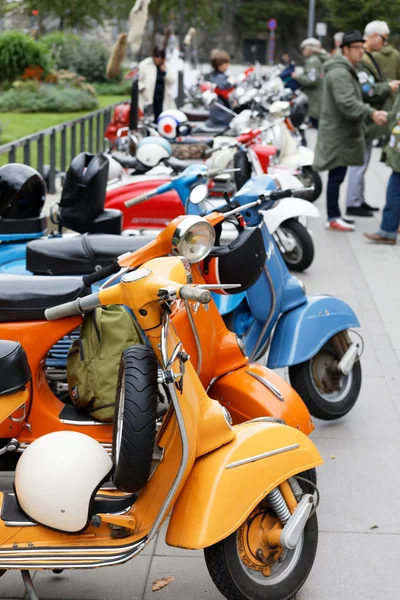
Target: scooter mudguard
288,208
12,258
226,485
303,331
253,391
227,304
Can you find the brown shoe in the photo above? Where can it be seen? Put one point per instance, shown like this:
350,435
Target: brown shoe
380,239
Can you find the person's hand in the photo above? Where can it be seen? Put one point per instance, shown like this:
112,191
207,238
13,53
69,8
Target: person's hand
163,66
294,75
379,117
394,85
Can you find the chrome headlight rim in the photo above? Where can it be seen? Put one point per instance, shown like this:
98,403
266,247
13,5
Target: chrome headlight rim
188,225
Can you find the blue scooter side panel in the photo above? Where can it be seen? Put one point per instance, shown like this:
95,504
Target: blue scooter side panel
303,331
227,304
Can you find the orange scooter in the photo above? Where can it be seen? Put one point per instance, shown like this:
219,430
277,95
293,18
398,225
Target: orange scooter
216,352
233,491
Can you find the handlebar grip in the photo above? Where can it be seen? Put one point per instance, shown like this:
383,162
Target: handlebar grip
137,200
188,292
76,307
278,194
103,273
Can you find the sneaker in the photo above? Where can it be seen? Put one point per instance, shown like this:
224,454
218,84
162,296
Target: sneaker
358,211
339,225
369,207
379,239
348,220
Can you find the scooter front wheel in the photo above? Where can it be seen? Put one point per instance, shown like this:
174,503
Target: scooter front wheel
297,245
327,393
245,567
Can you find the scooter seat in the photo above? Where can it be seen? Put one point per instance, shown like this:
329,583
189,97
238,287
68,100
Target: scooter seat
24,298
80,254
208,127
128,162
179,165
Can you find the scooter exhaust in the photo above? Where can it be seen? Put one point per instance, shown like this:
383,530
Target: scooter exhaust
347,361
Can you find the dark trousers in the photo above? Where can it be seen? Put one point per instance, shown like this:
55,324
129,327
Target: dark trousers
335,180
391,212
314,122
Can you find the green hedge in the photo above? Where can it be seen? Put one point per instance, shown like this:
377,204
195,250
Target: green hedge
19,51
114,89
86,57
47,98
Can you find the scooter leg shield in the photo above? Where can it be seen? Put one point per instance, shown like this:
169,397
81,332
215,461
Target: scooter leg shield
226,485
254,391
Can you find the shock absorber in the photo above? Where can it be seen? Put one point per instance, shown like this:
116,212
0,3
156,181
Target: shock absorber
277,501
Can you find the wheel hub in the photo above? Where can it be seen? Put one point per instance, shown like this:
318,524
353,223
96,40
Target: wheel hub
254,549
326,373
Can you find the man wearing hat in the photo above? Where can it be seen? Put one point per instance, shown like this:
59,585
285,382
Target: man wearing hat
341,139
311,80
378,93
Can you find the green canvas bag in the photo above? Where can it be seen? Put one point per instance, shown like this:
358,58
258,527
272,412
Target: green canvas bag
93,360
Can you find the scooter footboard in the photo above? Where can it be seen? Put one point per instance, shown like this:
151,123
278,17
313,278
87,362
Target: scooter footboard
254,391
226,485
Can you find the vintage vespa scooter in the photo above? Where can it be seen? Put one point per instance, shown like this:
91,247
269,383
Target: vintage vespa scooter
261,545
22,303
307,334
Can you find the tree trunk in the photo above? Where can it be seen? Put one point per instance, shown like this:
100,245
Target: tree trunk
61,25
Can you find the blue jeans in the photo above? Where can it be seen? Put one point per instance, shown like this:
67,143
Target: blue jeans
391,213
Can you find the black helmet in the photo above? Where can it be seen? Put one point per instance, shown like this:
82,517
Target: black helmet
299,110
22,192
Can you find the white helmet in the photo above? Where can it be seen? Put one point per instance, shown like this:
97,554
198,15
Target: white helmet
172,124
57,477
152,150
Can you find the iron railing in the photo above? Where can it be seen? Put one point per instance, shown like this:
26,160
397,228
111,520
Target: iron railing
58,145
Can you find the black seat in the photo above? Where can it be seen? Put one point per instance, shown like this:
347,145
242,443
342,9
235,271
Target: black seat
79,255
14,368
208,127
179,165
25,298
128,162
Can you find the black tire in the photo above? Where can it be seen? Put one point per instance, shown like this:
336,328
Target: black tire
240,161
318,403
309,177
135,418
229,576
302,256
310,475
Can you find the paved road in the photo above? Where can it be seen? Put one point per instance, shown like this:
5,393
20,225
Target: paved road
360,481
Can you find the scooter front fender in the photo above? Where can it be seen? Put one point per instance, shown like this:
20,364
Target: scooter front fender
288,208
226,485
253,391
304,330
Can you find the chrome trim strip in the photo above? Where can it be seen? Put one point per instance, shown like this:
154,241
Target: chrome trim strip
17,524
251,459
257,352
82,423
272,388
265,420
196,337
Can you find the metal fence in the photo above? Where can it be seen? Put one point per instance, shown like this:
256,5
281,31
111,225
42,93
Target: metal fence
58,145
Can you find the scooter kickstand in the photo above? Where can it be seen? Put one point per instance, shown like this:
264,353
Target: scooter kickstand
30,588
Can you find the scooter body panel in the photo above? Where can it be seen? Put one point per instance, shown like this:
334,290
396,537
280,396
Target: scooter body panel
253,391
303,331
226,485
288,208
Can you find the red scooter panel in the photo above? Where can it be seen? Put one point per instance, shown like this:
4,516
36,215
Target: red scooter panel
151,214
264,154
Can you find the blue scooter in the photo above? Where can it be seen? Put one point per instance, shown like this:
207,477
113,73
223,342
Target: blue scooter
307,334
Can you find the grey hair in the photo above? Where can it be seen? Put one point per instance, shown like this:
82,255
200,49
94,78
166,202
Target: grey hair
338,37
379,27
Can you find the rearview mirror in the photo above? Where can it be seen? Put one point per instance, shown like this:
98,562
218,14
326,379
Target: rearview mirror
198,194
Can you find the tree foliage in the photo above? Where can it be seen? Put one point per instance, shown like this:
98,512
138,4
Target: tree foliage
72,13
346,15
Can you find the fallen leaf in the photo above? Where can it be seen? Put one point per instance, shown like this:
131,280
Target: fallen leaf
333,457
159,584
374,527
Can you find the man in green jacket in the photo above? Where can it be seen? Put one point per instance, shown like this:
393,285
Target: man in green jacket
341,138
377,92
388,59
388,230
311,80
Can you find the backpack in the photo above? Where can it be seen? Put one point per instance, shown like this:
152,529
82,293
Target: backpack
93,360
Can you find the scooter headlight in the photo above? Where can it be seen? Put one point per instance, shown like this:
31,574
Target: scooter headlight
193,239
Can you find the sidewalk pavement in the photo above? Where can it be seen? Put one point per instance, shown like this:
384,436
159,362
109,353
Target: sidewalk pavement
359,515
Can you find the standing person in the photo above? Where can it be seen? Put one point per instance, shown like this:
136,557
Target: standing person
156,83
311,80
377,93
220,62
341,141
388,59
388,230
337,43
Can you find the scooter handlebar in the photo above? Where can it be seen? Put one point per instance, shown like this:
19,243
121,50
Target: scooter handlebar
100,274
188,292
138,199
76,307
